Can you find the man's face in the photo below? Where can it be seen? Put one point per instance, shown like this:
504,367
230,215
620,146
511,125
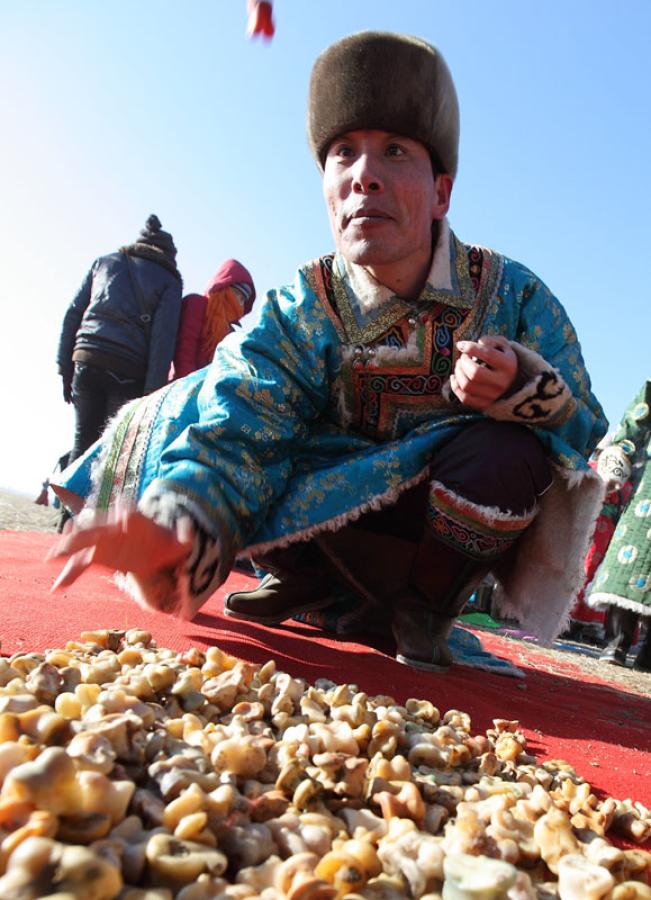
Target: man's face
382,197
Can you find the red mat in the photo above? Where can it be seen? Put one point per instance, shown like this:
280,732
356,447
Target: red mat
601,729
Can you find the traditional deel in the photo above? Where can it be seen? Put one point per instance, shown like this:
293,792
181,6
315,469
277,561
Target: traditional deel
614,503
624,577
335,402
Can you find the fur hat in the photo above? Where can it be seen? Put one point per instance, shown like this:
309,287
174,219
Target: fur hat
154,235
392,82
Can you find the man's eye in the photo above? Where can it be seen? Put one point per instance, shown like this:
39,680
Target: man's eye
344,150
395,150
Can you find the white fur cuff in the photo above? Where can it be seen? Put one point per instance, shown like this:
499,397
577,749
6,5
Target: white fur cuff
544,396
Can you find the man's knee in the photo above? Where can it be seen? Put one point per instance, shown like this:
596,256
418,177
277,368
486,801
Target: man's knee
493,463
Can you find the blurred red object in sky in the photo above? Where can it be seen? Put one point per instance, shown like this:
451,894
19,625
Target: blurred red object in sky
260,19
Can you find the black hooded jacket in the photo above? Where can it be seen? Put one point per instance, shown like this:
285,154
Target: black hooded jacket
104,326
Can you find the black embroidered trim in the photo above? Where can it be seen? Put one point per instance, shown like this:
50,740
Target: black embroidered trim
543,392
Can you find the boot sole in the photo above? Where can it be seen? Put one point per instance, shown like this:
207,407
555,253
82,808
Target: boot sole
277,619
419,664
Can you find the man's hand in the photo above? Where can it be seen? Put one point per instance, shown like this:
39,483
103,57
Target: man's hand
485,370
124,540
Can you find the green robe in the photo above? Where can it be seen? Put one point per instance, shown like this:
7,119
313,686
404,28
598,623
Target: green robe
624,577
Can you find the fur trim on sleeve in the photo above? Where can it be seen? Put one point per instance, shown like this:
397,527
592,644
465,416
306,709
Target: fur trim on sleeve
185,589
540,397
544,395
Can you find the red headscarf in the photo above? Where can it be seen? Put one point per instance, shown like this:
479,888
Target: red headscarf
229,273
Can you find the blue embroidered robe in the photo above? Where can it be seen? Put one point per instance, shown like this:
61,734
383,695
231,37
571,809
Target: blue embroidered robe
331,405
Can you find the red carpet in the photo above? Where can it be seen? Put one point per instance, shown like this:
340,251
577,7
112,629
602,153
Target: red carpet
601,729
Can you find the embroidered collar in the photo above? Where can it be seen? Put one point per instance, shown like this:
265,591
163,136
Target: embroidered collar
368,308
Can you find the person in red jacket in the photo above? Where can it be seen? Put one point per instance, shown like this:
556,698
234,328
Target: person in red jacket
207,318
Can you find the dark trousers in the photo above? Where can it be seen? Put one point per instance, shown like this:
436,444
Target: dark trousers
97,394
494,464
498,464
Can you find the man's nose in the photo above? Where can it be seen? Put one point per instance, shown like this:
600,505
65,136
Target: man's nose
366,178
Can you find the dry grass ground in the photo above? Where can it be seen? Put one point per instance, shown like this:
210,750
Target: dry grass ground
627,678
19,513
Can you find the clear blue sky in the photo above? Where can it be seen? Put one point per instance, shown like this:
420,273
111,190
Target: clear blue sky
112,110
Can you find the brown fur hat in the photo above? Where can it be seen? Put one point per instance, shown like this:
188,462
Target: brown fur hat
392,82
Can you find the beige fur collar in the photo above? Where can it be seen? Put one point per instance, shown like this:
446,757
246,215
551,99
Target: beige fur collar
373,295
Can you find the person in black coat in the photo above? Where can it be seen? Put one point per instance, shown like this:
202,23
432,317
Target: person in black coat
119,332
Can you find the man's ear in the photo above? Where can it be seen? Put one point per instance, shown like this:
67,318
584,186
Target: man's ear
442,193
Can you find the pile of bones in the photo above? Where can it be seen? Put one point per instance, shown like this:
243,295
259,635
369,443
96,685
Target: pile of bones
133,772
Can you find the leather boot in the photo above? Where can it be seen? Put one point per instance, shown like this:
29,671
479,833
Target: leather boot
643,659
279,597
299,582
442,580
621,623
421,634
376,568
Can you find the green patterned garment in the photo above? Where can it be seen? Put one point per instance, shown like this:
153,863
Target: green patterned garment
624,577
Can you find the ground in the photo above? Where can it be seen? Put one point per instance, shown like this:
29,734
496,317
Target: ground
20,513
